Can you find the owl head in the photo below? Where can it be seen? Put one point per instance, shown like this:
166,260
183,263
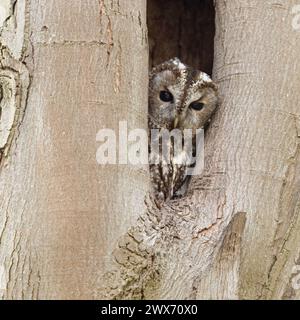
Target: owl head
180,96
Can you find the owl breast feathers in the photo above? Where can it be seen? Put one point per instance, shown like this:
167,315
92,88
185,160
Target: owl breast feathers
180,98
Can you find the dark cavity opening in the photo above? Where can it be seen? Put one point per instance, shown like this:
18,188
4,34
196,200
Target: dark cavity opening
183,29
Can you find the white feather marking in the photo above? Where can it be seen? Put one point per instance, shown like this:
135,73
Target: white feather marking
205,77
179,64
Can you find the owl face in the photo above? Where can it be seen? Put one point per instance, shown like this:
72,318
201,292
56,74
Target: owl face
180,97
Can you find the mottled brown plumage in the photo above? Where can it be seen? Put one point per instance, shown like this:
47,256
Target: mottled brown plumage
179,98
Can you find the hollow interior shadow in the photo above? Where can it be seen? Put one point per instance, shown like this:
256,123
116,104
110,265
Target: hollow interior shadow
182,28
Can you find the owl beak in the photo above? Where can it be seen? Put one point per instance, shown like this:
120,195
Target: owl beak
176,120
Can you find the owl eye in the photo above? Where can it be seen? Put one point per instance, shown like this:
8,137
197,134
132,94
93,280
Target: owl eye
166,96
197,106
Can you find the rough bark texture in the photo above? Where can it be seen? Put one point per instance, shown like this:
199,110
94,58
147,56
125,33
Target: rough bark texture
257,149
72,229
59,210
236,235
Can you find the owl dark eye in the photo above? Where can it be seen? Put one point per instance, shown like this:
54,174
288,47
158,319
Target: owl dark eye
166,96
197,106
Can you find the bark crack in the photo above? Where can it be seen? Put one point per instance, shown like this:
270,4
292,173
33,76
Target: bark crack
291,174
15,83
108,30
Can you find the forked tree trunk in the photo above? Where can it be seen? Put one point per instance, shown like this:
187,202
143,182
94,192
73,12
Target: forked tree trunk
70,228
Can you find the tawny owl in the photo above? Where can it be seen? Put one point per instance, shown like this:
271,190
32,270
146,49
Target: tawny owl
179,98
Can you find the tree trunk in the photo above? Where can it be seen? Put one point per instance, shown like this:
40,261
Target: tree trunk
236,235
71,228
61,212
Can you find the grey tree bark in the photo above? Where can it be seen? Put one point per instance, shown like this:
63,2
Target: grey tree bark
236,235
68,69
70,228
